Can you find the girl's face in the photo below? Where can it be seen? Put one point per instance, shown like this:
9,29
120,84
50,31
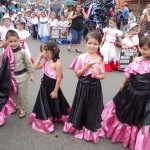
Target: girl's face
92,45
112,24
53,16
13,42
19,26
145,51
148,8
132,34
46,54
7,22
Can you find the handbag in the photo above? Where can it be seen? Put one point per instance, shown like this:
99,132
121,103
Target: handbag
125,21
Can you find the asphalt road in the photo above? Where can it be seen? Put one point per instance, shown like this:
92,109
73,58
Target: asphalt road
17,134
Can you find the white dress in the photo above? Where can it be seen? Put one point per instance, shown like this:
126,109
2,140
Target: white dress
127,42
23,35
43,31
108,49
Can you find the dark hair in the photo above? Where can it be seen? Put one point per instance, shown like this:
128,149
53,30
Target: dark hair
22,23
76,6
145,41
147,4
113,19
95,35
11,33
51,46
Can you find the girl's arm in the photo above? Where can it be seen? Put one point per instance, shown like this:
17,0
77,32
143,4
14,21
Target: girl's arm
140,22
81,71
123,83
120,40
54,94
104,38
84,15
37,64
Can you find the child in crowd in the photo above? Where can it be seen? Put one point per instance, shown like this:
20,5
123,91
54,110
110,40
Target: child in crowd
43,31
53,21
23,70
108,49
126,118
127,42
34,22
51,105
23,35
85,117
6,20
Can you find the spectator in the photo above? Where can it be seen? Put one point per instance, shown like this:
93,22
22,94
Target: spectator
144,24
125,14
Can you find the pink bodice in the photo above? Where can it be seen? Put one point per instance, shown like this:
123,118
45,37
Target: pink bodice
80,61
48,70
140,67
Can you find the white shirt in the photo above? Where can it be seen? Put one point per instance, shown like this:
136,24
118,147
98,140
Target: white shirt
63,23
53,23
34,20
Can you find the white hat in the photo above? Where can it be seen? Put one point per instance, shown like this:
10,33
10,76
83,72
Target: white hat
19,13
132,25
6,16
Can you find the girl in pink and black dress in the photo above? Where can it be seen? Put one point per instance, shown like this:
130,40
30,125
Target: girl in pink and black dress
51,105
126,118
85,117
8,84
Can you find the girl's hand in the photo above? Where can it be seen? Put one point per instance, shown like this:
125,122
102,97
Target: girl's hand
54,94
90,63
121,87
94,72
32,78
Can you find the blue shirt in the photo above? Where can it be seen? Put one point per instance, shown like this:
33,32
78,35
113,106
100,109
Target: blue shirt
125,13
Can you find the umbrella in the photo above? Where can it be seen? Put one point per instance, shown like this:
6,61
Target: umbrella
68,2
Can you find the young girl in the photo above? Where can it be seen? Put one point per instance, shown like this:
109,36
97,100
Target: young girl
126,118
43,31
23,70
53,21
23,35
127,42
108,49
85,117
51,105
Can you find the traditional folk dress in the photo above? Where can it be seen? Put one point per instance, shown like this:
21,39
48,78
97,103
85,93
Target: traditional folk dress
85,117
46,110
126,118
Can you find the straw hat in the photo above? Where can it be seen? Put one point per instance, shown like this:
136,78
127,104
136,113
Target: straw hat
6,16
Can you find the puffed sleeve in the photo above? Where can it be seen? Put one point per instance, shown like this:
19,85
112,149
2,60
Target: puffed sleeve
119,33
105,30
77,64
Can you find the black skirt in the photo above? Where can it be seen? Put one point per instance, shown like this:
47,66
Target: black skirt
133,103
87,105
5,83
45,106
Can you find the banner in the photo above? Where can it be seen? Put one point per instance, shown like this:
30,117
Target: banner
58,33
126,57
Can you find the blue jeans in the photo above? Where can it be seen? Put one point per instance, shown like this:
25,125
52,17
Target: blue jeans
122,28
76,36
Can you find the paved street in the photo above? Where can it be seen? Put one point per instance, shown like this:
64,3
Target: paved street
16,134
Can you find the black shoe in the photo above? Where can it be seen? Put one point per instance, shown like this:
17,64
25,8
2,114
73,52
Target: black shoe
78,51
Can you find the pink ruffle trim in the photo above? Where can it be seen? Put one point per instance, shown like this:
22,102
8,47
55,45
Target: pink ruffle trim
136,137
6,110
84,133
45,126
140,67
